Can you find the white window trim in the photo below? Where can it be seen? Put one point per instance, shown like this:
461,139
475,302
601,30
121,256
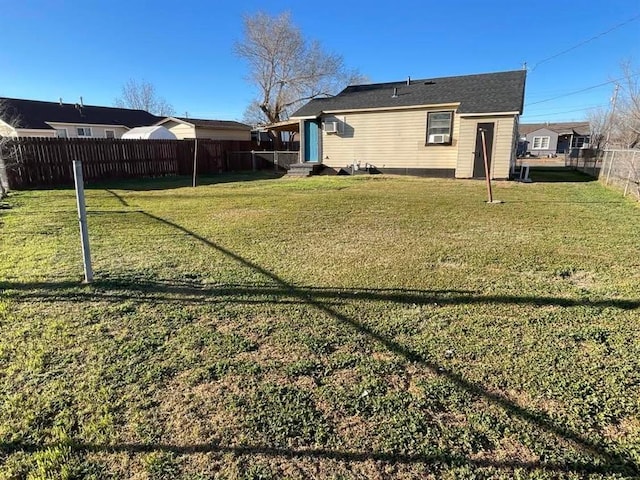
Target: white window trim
109,130
542,139
450,134
84,129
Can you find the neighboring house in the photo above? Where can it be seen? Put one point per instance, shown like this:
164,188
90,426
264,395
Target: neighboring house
549,139
69,120
425,127
212,129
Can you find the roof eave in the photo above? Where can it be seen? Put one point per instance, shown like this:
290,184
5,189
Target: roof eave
489,114
174,119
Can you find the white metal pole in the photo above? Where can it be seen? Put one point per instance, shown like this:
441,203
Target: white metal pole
82,216
195,162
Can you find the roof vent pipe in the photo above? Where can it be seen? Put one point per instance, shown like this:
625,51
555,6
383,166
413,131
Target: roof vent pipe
81,104
395,93
60,100
408,80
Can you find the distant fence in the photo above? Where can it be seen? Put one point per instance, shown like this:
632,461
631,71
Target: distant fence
620,168
260,160
46,162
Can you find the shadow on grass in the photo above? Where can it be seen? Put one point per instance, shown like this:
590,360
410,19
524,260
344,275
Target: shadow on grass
320,453
195,292
559,174
181,181
605,460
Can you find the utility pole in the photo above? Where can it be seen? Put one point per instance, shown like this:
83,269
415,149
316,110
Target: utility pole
614,100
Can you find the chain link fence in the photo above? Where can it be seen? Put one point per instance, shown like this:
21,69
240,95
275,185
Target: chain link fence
615,167
263,160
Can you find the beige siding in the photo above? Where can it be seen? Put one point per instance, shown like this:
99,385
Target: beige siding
223,134
180,130
97,131
6,130
503,142
25,132
387,139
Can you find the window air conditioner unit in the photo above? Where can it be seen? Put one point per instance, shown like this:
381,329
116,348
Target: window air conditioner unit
331,127
439,138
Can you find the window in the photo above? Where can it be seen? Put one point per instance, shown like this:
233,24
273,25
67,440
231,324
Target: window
110,134
580,142
439,126
84,131
62,133
540,143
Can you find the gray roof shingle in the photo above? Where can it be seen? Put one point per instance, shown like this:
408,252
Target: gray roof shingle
562,128
34,114
482,93
220,124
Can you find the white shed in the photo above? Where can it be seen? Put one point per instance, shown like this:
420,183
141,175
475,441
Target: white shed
149,133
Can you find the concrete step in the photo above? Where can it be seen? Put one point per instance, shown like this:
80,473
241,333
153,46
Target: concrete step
304,169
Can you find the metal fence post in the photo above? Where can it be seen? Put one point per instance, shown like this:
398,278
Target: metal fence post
275,160
253,160
82,217
613,155
632,168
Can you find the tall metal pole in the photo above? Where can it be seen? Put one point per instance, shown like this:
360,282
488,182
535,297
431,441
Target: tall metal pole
82,217
486,166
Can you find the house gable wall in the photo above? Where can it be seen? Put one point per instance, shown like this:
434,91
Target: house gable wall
543,132
26,132
6,130
223,134
387,140
180,130
392,140
97,131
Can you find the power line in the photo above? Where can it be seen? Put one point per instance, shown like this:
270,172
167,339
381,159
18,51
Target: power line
544,108
558,113
585,41
580,91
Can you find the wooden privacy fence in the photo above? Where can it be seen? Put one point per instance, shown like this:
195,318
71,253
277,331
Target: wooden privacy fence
46,162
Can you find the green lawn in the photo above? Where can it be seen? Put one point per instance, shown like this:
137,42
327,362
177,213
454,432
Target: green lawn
331,327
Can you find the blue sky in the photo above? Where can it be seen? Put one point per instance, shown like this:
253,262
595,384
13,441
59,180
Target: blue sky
66,49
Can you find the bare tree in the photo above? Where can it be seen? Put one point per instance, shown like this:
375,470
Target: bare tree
598,121
620,126
142,96
287,69
627,116
9,120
